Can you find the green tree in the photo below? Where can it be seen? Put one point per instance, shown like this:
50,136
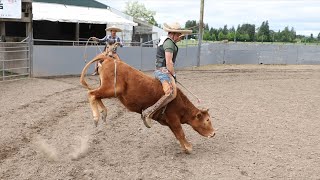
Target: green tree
139,11
311,39
293,35
248,32
214,34
277,36
248,29
214,37
192,24
243,37
232,29
272,36
206,27
285,35
225,30
207,36
222,36
230,36
264,32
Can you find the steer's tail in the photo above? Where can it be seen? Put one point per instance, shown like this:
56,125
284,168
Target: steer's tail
84,70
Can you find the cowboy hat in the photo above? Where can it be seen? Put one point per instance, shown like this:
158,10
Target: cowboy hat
175,27
113,28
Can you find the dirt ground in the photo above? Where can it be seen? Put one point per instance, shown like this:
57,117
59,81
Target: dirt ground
267,118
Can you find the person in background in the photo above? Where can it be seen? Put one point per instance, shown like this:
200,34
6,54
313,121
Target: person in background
109,40
167,52
2,38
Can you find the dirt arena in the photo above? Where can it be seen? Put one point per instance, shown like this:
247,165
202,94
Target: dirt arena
267,116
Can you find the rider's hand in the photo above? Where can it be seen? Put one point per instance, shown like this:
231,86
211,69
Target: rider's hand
174,77
95,40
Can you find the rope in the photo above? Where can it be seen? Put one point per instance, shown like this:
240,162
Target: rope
199,101
189,91
85,49
193,27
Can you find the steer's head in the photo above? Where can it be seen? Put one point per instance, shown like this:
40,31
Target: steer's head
112,48
201,122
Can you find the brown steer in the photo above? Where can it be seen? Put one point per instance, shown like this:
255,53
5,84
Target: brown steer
138,91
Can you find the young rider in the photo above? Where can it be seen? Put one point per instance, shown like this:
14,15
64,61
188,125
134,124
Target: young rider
167,52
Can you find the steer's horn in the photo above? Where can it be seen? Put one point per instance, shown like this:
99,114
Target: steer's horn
205,109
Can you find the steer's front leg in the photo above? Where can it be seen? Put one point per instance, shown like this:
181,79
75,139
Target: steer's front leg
177,130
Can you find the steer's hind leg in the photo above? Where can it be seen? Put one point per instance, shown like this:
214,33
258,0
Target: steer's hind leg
104,111
94,107
95,102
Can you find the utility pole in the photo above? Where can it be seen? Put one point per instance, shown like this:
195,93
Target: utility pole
200,31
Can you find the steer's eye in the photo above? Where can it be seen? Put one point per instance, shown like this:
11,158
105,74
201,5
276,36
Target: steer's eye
199,116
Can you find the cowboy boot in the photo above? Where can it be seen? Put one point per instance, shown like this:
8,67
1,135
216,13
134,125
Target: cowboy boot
146,114
95,71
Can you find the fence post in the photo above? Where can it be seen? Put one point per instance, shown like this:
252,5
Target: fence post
140,56
3,70
200,32
30,55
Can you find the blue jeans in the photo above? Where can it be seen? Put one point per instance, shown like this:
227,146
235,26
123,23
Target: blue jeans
162,75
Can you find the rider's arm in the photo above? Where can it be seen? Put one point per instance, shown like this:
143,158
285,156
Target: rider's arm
168,47
103,39
119,40
169,62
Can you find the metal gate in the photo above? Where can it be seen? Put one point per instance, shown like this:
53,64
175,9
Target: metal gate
15,60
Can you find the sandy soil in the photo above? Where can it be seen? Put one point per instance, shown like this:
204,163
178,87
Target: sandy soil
267,119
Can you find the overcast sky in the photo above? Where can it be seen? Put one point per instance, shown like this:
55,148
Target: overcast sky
302,15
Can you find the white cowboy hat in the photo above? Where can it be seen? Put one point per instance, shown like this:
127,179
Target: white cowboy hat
113,28
175,27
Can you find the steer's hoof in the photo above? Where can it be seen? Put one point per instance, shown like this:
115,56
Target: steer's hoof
95,122
188,149
104,116
146,121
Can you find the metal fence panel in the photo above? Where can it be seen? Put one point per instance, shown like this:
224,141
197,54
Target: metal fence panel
186,57
69,60
241,57
14,60
148,58
212,54
131,56
308,55
280,54
61,60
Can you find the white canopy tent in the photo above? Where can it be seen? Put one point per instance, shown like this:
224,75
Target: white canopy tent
77,14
